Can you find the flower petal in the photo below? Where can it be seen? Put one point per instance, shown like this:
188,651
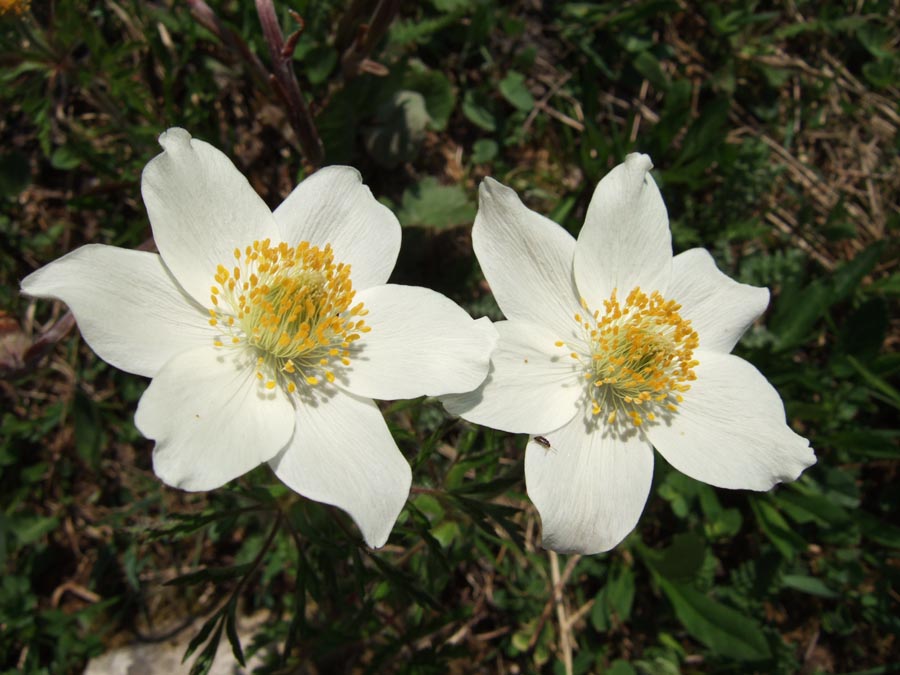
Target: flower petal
589,486
625,241
211,420
532,387
730,431
343,454
201,208
527,260
129,309
719,308
420,343
333,206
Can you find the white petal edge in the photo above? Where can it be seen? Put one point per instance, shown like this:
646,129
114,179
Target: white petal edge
420,343
343,454
211,419
201,208
625,241
590,486
719,308
532,387
526,259
730,430
333,206
129,309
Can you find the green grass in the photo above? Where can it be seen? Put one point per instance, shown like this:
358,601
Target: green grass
773,128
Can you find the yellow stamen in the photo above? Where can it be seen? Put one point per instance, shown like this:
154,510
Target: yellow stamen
641,356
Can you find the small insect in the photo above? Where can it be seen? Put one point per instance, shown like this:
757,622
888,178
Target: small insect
543,442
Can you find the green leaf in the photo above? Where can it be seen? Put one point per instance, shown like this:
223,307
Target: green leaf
809,585
484,150
231,631
797,312
210,574
864,331
477,109
873,443
431,204
648,66
437,91
683,559
776,528
65,159
515,90
89,435
398,130
878,530
319,62
620,667
891,395
847,277
15,174
724,630
28,529
612,605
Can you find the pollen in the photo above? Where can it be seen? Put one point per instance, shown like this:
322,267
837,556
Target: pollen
641,357
292,307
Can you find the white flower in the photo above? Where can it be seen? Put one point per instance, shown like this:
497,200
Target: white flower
612,346
267,335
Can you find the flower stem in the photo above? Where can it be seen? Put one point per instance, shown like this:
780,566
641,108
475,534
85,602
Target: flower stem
285,83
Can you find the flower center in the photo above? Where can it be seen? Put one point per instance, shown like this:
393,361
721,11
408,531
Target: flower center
292,306
640,356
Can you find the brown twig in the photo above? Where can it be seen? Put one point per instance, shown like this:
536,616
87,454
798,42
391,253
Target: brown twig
565,628
355,59
207,18
284,81
558,584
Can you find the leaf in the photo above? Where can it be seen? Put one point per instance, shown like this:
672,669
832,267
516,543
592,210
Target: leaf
484,150
878,530
399,129
89,435
615,599
776,528
798,310
319,62
515,90
28,529
65,159
890,395
210,574
873,443
204,662
847,277
809,585
437,91
202,634
404,582
648,66
15,174
231,632
863,333
682,560
476,108
620,667
431,204
724,630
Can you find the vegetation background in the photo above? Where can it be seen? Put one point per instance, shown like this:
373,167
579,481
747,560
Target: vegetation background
773,128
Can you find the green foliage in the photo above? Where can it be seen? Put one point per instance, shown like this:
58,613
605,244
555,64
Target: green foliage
774,134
